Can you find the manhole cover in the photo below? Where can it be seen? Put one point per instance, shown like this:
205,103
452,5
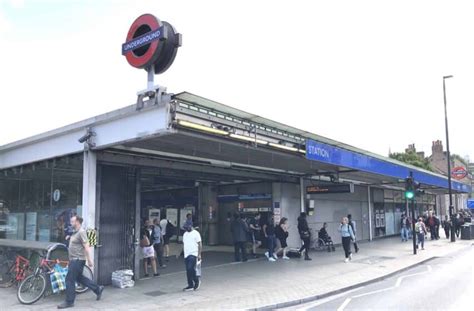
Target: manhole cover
155,293
372,260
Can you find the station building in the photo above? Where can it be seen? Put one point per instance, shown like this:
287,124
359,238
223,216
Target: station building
194,155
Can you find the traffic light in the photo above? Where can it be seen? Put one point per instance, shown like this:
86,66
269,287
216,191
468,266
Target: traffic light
409,188
416,187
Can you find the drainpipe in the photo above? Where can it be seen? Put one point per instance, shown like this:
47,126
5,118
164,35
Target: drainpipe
370,213
302,198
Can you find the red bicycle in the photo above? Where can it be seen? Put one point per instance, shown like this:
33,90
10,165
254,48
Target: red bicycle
34,286
14,272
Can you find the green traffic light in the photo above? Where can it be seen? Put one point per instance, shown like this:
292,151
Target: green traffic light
409,194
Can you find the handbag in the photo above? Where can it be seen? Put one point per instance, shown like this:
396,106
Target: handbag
305,234
144,242
58,278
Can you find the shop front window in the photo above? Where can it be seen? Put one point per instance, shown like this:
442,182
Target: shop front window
37,200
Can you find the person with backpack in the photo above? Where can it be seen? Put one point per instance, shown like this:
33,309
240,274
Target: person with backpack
420,229
268,230
354,231
347,235
281,233
146,244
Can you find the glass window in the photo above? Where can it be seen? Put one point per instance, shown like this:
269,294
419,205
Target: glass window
37,200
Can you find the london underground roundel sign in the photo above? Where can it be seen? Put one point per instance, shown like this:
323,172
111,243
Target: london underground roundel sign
459,172
151,43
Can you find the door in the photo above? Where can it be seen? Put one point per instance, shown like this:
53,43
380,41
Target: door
117,196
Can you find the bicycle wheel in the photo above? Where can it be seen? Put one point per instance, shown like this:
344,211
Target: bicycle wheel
86,272
7,273
31,289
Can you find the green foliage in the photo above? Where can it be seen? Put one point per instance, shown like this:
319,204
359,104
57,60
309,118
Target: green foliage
413,159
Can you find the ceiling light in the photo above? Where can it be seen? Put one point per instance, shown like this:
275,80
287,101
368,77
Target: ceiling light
249,139
283,147
201,127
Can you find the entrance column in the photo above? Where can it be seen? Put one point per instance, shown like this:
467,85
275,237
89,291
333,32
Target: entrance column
370,212
302,198
209,213
89,180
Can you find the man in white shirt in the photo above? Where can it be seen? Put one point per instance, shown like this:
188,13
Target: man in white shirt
166,237
192,248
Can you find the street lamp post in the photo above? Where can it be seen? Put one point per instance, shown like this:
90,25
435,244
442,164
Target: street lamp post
451,208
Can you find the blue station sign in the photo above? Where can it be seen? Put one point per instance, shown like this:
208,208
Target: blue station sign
325,153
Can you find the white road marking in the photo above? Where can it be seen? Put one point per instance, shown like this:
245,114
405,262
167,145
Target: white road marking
344,304
397,284
319,302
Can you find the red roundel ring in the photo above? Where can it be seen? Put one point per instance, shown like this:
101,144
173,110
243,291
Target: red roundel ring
145,22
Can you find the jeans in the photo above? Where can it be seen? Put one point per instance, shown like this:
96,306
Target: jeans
404,233
421,239
190,263
239,247
346,244
74,274
271,239
159,253
305,246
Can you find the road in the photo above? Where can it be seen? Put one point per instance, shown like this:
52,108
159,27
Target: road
444,283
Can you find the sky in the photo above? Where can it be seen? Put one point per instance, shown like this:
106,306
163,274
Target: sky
366,73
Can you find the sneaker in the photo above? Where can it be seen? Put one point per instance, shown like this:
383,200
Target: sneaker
275,256
267,255
197,285
156,274
350,256
65,305
271,259
346,260
307,258
286,257
99,294
188,289
146,275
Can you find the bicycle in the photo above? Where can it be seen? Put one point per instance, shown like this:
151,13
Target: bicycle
34,286
14,272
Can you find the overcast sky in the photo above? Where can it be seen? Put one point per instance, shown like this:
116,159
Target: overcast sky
367,73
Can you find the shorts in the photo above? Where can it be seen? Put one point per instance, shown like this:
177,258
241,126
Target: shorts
166,239
148,252
255,239
283,243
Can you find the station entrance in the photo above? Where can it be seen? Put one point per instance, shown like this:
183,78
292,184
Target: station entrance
131,194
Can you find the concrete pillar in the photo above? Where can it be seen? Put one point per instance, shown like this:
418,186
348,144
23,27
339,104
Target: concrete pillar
89,180
369,200
209,212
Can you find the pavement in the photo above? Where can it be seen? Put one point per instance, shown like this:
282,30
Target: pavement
259,284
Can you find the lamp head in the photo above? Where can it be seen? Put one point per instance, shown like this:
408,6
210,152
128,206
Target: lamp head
447,77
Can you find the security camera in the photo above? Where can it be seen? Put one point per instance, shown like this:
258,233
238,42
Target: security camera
86,136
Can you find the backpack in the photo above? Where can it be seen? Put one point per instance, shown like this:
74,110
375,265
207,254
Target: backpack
170,229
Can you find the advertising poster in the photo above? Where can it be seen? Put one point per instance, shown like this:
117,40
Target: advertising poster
154,213
172,216
31,226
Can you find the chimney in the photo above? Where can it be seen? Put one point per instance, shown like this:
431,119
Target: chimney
437,147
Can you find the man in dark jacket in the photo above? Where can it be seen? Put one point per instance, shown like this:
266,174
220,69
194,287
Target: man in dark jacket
239,230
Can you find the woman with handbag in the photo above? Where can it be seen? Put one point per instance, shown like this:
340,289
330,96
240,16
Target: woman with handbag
146,244
305,235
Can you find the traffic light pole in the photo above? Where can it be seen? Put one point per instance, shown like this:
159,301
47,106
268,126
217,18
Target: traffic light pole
413,222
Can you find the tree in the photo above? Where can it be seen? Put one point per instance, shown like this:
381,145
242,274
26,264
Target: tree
412,158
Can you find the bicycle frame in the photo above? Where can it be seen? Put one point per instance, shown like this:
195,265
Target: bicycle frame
21,267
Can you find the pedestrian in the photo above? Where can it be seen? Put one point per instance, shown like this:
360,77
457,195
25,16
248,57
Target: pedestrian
432,225
404,227
354,230
347,236
269,233
79,253
324,236
158,242
192,248
437,225
255,233
146,243
188,222
239,230
447,226
281,232
166,237
305,235
420,229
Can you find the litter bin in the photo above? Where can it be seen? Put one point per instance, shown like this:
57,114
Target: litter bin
467,232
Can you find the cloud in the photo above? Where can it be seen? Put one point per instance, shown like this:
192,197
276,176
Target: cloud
17,4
